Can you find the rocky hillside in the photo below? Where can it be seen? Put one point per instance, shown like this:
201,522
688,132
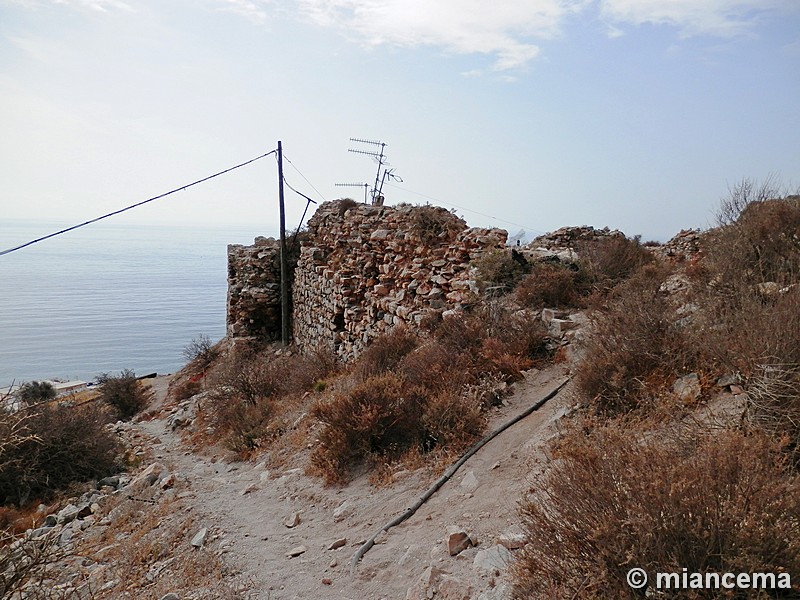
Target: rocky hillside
262,472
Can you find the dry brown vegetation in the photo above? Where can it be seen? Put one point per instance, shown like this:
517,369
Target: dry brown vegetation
417,394
632,484
618,499
603,263
252,392
637,349
47,448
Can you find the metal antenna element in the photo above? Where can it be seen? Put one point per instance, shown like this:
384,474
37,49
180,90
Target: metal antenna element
380,157
360,141
364,185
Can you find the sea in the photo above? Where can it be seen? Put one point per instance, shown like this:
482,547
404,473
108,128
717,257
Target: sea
109,296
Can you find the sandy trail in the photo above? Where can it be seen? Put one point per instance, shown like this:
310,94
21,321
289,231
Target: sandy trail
246,508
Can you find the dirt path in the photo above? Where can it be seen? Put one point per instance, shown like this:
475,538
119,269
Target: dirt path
248,509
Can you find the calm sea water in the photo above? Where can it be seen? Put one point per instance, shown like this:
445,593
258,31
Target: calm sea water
109,297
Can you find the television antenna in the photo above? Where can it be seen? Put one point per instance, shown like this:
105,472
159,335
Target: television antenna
376,151
364,185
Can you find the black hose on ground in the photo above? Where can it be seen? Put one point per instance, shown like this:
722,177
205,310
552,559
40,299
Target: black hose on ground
450,472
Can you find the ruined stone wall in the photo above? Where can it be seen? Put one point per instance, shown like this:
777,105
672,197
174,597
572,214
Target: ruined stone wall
365,269
361,270
254,290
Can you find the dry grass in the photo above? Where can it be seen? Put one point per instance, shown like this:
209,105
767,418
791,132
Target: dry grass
618,499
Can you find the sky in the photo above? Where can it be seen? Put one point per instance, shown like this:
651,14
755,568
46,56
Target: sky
633,114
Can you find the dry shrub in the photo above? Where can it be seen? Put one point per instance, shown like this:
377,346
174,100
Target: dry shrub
201,352
466,347
186,389
410,394
521,334
246,425
548,285
435,224
346,204
252,390
614,501
762,245
33,392
742,332
51,448
380,416
460,332
744,193
23,561
452,420
607,261
497,271
435,366
385,353
636,349
126,394
774,404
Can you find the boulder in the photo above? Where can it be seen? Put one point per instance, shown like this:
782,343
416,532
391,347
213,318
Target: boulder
199,539
496,558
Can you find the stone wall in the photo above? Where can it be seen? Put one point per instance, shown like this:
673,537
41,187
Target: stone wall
365,269
361,270
254,291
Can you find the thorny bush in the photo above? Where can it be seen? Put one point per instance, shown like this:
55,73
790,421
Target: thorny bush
617,499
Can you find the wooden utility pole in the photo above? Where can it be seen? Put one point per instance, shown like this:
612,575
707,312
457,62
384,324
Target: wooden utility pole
285,316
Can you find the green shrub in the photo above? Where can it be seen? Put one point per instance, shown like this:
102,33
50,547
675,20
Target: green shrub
36,391
125,393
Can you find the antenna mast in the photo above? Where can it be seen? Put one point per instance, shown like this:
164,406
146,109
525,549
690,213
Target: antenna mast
380,157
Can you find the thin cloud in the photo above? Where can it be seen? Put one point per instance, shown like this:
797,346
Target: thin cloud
93,5
96,5
724,18
254,10
506,30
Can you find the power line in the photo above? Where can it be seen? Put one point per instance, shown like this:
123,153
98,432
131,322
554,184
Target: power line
122,210
298,193
309,202
531,229
304,177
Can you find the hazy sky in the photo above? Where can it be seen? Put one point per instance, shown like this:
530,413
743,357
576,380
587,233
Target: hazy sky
636,114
